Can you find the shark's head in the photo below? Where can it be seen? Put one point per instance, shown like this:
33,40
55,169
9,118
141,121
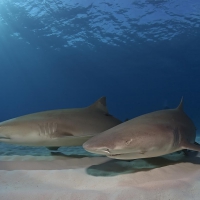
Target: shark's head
16,132
112,144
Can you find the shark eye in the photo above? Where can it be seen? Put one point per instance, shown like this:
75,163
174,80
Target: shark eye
128,142
106,150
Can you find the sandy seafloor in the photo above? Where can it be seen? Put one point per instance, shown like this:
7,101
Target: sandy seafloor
34,173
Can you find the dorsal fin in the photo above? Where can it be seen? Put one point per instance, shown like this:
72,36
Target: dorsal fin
180,106
100,104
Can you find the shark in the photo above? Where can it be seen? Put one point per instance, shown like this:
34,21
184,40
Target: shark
150,135
56,128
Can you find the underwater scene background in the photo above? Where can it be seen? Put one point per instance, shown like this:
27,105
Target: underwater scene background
143,55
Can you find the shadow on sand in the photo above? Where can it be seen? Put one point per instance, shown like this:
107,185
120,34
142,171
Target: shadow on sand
118,167
68,155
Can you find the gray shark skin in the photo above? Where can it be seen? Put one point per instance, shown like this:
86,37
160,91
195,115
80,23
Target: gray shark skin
55,128
149,135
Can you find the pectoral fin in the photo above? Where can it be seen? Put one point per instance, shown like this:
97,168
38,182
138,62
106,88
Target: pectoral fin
61,134
190,146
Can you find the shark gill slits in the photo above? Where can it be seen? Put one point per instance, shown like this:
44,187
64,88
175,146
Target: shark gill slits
176,138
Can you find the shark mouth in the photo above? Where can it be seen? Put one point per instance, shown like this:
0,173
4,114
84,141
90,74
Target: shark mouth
110,154
113,155
4,138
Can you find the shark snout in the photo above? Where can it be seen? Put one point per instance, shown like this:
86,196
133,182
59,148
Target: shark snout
98,147
2,137
95,149
101,150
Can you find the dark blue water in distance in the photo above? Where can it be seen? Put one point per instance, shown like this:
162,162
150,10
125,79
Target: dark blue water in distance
141,54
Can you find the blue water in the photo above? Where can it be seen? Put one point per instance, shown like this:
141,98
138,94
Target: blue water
142,55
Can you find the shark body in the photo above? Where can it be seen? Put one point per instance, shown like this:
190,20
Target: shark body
55,128
149,135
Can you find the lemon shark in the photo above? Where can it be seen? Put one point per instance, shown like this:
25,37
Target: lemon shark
56,128
149,135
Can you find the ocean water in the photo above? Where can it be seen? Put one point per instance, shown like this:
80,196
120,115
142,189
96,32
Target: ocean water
143,55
